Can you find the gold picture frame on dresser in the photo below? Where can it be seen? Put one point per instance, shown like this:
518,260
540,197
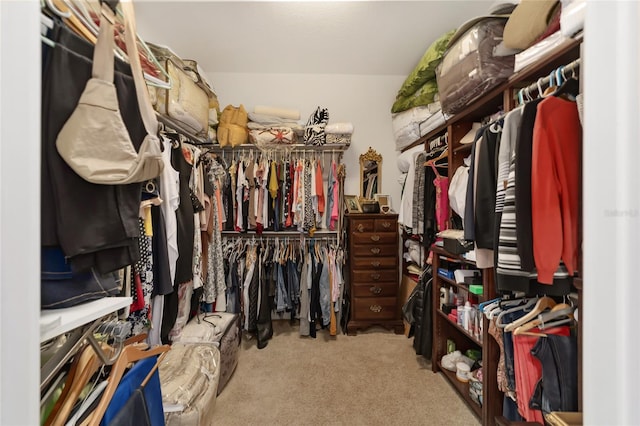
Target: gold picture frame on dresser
373,271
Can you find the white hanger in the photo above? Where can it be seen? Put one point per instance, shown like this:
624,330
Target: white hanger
57,11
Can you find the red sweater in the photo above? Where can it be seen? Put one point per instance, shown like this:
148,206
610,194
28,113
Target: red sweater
555,186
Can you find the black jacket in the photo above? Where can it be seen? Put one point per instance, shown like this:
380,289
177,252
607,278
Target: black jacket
417,312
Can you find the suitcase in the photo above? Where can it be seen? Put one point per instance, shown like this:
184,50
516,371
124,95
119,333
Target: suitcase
189,376
221,329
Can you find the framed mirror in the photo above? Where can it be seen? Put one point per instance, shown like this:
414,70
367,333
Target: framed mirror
370,174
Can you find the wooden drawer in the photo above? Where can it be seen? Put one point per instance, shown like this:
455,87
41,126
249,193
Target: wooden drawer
371,277
375,290
375,238
374,250
385,225
368,263
361,225
375,308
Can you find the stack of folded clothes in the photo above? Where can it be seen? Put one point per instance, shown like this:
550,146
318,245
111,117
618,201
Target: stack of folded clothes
270,126
339,133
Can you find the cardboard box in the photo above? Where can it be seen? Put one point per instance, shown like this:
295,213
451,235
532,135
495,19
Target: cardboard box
406,287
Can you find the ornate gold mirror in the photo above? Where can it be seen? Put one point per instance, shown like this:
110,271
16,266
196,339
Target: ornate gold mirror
370,174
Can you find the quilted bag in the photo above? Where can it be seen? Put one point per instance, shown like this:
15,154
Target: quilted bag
189,376
222,330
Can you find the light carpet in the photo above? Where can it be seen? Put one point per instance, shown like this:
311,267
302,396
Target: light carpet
374,378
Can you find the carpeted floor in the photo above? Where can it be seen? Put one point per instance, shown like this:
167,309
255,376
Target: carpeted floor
374,378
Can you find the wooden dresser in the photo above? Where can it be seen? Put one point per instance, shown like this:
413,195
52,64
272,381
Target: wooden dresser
373,271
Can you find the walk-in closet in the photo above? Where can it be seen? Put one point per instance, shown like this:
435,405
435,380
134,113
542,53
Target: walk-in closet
318,212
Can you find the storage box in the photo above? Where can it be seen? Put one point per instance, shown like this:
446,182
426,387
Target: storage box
406,288
456,246
446,273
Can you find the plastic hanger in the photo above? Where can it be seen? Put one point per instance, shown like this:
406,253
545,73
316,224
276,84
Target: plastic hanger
552,84
53,7
541,305
562,313
569,89
510,305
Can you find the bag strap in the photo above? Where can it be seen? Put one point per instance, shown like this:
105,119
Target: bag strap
144,103
435,170
103,62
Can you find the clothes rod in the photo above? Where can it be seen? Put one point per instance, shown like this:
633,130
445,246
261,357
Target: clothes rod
274,234
338,147
571,67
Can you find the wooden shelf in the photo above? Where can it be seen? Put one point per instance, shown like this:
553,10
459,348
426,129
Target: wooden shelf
54,322
460,329
463,147
490,102
462,389
460,286
450,256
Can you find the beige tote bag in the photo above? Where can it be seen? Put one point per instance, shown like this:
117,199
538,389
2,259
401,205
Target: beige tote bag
94,141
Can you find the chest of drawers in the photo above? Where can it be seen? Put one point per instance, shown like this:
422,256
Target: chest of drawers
373,255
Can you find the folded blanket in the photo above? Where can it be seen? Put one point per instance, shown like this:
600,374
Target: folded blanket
406,125
433,122
273,136
268,119
291,114
339,128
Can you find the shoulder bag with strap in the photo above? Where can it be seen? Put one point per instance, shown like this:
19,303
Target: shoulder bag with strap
94,141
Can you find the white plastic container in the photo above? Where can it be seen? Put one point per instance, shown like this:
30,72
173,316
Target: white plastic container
462,372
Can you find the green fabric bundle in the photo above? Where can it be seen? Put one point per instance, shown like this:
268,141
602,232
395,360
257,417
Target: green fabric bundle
422,97
413,92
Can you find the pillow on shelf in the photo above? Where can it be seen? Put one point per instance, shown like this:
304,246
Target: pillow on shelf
426,68
527,22
424,96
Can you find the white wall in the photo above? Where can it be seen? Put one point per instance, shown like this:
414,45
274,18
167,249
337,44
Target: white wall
19,212
361,99
611,206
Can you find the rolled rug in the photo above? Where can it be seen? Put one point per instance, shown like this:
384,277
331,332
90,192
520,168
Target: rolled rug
291,114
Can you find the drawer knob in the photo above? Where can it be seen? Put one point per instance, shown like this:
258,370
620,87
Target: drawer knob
375,277
375,308
375,290
375,264
386,225
360,227
375,250
375,238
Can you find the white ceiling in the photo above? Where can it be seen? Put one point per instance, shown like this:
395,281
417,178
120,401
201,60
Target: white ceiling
300,37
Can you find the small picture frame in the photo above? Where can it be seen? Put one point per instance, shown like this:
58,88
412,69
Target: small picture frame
384,201
352,203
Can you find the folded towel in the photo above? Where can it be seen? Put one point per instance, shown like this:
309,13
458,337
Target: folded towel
291,114
339,128
269,119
